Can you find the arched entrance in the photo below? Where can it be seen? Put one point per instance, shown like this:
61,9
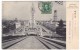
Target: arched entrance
32,31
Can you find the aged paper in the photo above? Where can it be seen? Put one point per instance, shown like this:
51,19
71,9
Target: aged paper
72,13
33,25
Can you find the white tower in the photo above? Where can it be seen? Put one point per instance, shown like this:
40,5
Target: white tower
32,19
55,18
55,15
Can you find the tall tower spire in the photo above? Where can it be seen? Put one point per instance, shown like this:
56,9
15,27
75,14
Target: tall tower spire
55,15
55,18
32,11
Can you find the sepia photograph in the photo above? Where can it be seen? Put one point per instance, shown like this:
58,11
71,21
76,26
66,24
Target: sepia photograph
34,25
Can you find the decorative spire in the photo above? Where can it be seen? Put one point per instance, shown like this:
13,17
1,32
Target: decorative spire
55,15
32,11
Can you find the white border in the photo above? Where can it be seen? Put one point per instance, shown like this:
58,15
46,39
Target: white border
40,0
79,24
31,0
0,24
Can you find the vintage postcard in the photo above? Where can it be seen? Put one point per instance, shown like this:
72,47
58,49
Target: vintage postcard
40,25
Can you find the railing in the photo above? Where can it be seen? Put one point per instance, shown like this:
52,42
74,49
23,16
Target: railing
63,43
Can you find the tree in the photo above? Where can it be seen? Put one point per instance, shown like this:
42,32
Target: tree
60,29
61,23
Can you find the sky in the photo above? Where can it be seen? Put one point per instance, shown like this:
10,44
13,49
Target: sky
22,10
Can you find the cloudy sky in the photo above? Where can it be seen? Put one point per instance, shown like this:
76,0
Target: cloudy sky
22,10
